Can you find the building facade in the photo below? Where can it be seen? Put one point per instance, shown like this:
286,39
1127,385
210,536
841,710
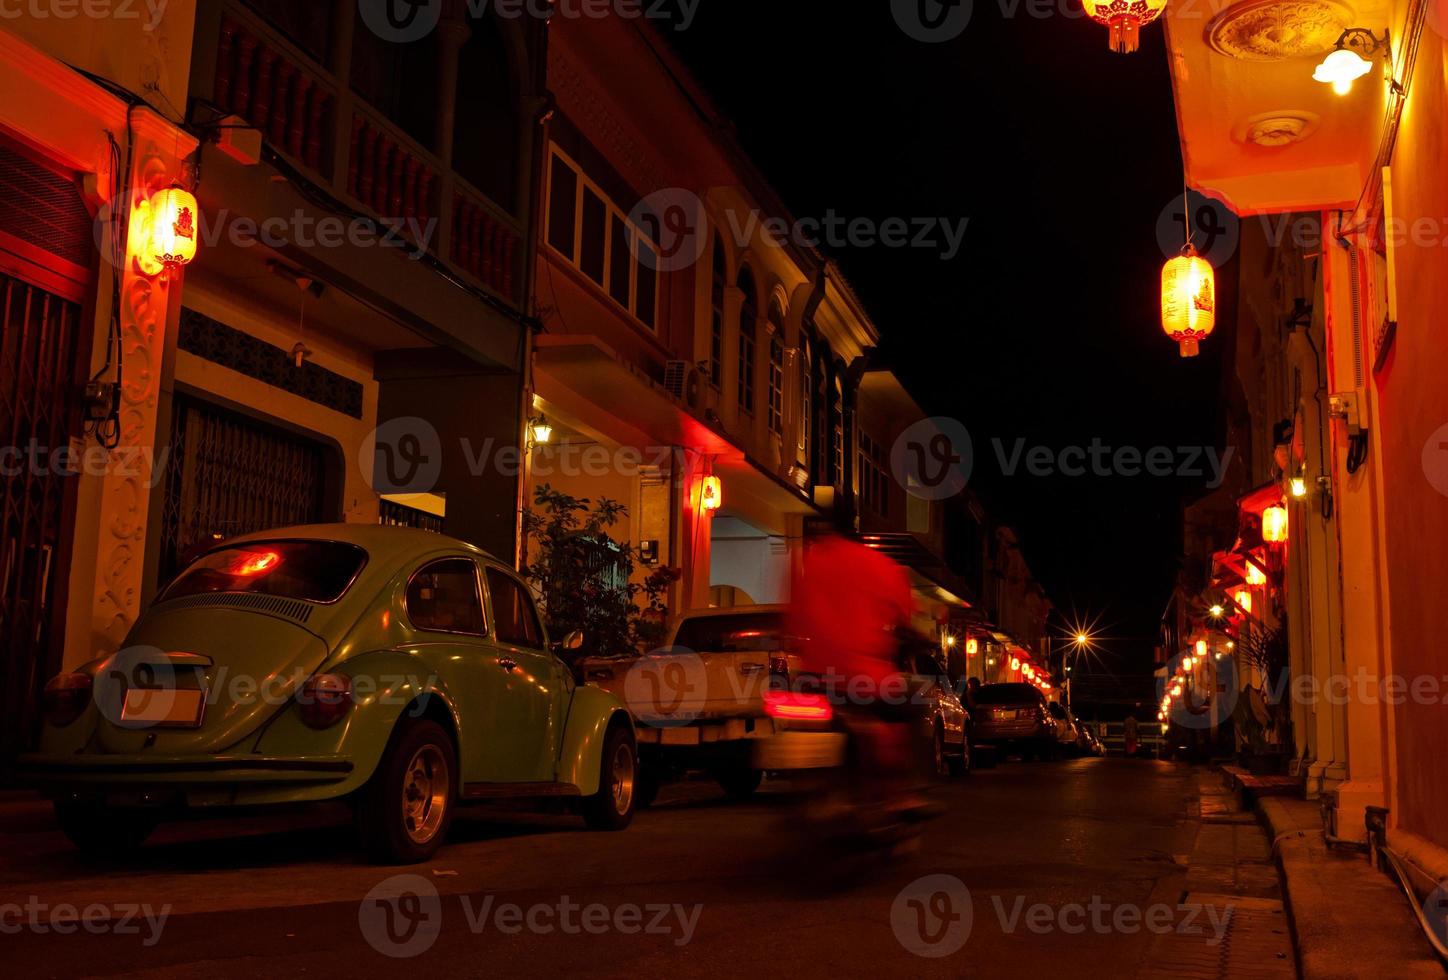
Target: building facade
1345,183
348,343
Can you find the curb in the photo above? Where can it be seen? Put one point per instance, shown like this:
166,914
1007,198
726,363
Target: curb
1347,920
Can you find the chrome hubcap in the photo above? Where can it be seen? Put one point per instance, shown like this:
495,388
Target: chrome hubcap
426,786
622,773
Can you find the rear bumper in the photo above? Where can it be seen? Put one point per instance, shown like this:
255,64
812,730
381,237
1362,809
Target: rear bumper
797,751
196,780
992,732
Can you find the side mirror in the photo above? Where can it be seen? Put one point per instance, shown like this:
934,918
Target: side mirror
573,641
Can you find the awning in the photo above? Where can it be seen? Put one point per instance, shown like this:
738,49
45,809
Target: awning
586,379
908,550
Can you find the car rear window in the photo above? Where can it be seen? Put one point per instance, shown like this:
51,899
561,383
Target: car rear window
1007,694
313,571
737,633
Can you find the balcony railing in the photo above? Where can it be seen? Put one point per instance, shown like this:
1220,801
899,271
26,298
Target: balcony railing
315,119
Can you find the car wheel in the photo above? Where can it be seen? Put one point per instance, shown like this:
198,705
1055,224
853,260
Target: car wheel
404,811
103,831
939,761
960,763
612,807
739,782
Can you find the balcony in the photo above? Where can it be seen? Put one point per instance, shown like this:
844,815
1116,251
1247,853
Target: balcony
309,115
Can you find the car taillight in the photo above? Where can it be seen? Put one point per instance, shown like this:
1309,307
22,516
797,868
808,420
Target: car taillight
325,700
791,706
66,697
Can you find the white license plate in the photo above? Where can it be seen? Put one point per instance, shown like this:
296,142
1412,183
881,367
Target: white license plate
179,708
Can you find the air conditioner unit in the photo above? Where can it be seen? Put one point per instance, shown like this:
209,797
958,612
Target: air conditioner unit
676,378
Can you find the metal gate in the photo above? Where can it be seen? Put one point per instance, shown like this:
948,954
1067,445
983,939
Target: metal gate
227,475
39,337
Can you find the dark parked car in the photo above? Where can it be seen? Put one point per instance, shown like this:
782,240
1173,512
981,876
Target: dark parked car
1014,719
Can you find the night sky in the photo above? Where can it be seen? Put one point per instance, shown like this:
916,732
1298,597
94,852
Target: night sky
1046,325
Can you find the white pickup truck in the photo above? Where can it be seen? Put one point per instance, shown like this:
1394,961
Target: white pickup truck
699,701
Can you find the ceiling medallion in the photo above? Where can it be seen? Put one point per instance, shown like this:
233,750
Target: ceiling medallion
1282,127
1274,30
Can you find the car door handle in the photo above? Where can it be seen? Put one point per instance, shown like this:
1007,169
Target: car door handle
507,663
750,668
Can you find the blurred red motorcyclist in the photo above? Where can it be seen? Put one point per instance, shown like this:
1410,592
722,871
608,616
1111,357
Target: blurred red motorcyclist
851,606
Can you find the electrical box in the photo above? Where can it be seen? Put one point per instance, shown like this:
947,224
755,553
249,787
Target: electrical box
1347,406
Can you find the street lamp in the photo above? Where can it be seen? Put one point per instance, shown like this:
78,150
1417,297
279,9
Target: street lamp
1344,65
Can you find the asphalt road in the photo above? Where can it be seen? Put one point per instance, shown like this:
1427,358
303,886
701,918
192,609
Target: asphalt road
1049,870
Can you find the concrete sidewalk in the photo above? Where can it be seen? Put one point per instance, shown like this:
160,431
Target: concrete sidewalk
1348,919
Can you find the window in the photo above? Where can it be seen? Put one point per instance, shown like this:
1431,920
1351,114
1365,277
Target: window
596,236
806,395
732,633
485,132
563,208
776,369
837,436
874,479
618,273
443,598
400,80
307,25
313,571
517,622
716,319
748,328
593,246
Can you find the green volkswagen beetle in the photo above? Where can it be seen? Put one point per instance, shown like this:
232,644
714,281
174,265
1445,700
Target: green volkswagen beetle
401,670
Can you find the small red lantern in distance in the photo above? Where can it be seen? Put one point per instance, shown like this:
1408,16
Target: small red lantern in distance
1124,18
1274,525
250,564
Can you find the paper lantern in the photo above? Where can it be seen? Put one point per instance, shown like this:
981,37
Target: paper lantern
1274,525
1188,300
168,228
972,647
1124,18
1243,599
711,493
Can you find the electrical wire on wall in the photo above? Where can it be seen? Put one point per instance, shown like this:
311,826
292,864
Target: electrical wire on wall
104,397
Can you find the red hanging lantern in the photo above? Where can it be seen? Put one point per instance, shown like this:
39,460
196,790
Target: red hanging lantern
1125,18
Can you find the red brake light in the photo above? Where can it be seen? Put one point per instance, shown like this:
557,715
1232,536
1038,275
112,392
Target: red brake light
325,700
252,563
65,698
792,706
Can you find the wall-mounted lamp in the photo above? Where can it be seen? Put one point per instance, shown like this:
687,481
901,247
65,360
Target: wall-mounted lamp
711,493
164,231
1346,63
541,430
1297,486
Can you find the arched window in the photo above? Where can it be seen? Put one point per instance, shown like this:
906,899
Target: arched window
716,318
748,339
806,395
485,130
776,369
837,434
